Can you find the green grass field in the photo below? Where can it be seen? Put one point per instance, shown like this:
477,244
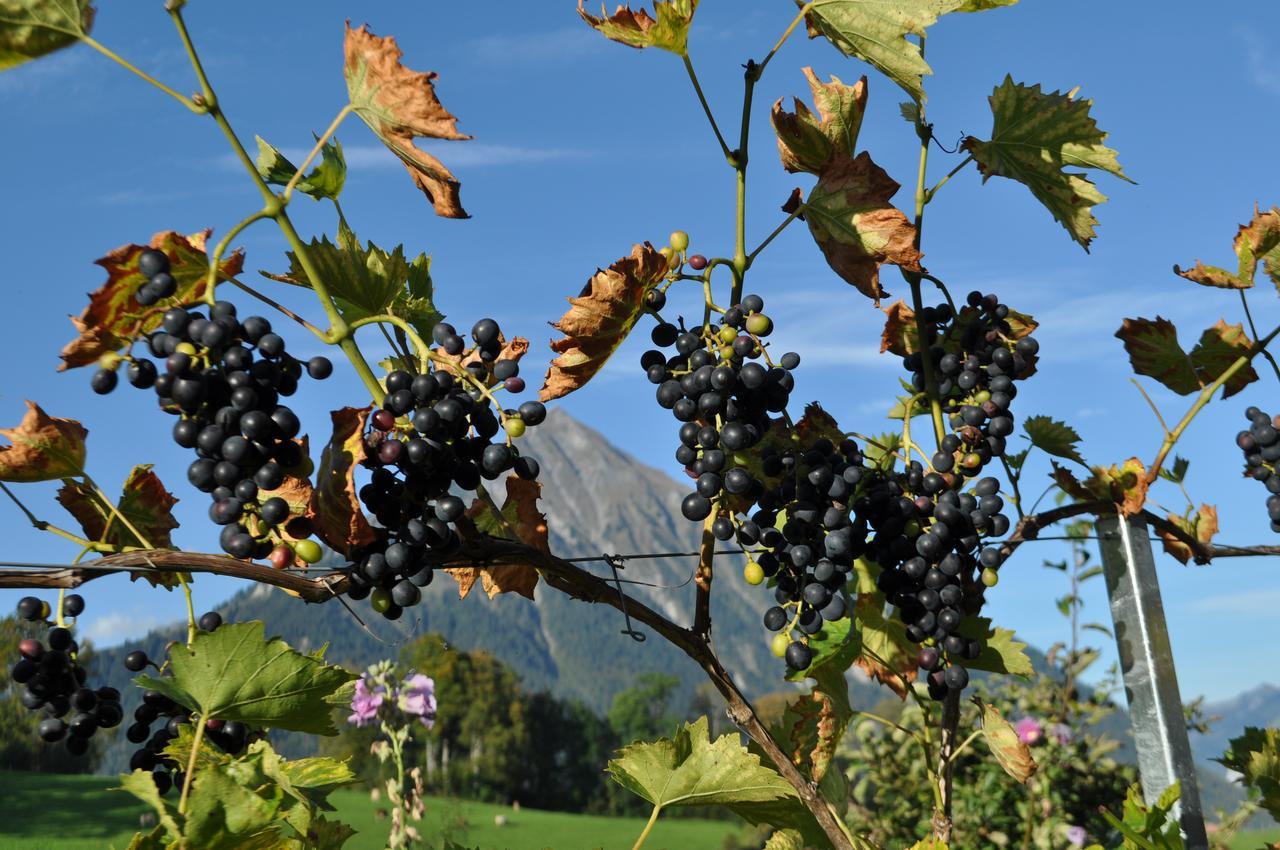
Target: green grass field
80,813
1255,840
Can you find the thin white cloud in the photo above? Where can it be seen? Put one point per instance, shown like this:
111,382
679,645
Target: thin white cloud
1261,68
1247,602
113,628
60,69
568,44
453,154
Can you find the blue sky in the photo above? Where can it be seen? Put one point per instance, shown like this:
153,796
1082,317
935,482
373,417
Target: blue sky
583,147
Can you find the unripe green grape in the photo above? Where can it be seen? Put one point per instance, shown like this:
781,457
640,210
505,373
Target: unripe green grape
186,348
670,256
990,577
679,240
308,550
514,426
728,335
753,573
380,600
778,646
759,324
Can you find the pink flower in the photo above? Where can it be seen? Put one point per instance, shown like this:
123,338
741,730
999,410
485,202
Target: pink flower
365,702
417,696
1076,835
1062,732
1029,730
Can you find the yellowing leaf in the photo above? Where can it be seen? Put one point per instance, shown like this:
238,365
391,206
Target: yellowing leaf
1257,241
31,28
886,655
42,448
517,348
899,334
1012,754
398,105
1219,347
856,227
144,502
335,508
599,319
876,31
114,317
1202,526
236,673
1034,138
807,142
668,31
1126,485
520,510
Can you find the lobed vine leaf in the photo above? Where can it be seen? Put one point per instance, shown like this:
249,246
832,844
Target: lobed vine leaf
335,507
885,655
144,501
1154,350
1125,485
142,784
809,142
899,335
1001,651
876,31
520,511
1054,437
400,105
856,227
1201,525
815,723
982,5
1257,241
599,319
1035,137
366,280
237,674
114,317
325,180
1255,755
1176,471
1012,754
515,349
668,31
42,448
33,28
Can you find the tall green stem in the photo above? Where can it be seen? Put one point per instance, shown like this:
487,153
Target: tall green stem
706,108
741,262
129,66
648,827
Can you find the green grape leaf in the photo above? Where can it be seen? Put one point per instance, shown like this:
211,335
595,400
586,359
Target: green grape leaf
1177,471
1012,754
225,812
153,840
1001,651
142,784
1035,137
910,111
808,142
1154,351
876,31
366,280
399,105
325,180
600,318
885,655
114,317
1056,438
32,28
1257,241
235,673
1219,347
814,724
856,227
1148,827
1015,460
982,5
42,448
883,454
692,770
335,508
1255,755
668,31
521,513
1201,526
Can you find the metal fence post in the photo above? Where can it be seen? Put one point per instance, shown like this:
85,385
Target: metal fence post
1146,660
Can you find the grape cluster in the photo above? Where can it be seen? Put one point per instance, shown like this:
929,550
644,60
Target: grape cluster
1261,447
433,433
716,387
975,362
160,284
225,379
56,683
230,736
811,557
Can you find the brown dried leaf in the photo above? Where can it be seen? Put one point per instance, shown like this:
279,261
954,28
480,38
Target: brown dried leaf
856,227
886,654
299,494
1070,485
1013,755
899,334
398,105
43,448
114,317
335,507
520,510
669,31
513,350
807,142
1257,241
1202,525
1219,347
600,318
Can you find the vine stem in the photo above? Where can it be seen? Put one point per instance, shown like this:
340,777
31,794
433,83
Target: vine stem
1248,314
781,227
265,299
706,108
703,578
653,818
315,151
191,764
1171,438
786,34
738,159
928,196
129,66
215,259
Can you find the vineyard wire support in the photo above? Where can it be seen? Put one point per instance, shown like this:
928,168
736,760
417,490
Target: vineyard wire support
615,563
